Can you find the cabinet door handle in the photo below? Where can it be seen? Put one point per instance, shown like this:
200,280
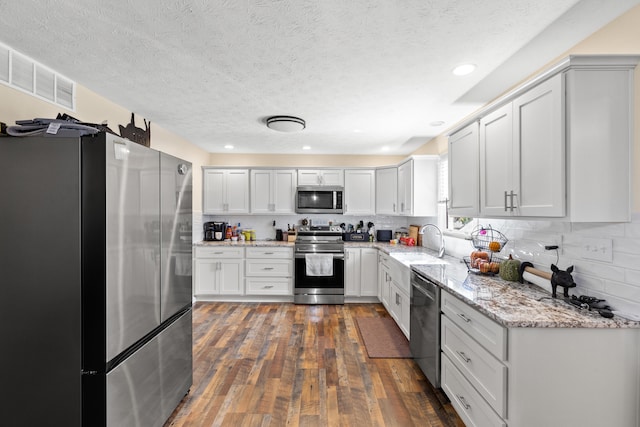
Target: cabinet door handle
463,317
463,402
463,356
394,207
397,299
402,207
512,205
218,266
505,200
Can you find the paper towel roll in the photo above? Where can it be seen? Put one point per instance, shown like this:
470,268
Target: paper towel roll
537,280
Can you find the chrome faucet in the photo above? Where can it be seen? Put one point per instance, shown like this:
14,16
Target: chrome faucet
441,250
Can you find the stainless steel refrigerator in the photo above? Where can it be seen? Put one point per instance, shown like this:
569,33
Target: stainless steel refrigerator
95,282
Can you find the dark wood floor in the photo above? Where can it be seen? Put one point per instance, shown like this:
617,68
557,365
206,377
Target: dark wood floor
285,364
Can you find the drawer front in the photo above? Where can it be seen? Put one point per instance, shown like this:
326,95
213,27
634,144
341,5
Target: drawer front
270,253
219,252
488,333
269,268
275,286
487,374
471,407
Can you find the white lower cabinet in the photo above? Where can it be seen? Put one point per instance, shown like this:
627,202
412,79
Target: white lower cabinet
361,272
394,290
384,279
399,307
531,377
219,271
269,271
468,403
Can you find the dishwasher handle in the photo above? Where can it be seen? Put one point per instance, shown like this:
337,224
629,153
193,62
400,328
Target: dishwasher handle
425,286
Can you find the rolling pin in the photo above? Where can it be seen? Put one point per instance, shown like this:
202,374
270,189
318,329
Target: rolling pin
532,275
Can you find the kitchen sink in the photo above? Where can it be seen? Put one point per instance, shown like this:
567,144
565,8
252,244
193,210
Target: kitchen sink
408,258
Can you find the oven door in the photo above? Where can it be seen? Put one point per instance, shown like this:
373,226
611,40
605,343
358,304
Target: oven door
319,289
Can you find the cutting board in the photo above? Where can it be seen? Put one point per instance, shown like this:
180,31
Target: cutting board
413,232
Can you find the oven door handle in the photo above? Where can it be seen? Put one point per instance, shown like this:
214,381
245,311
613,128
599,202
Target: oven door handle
335,255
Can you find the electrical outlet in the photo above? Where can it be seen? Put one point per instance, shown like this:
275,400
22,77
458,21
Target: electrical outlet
597,249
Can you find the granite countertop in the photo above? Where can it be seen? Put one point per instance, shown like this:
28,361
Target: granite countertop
513,304
383,246
264,243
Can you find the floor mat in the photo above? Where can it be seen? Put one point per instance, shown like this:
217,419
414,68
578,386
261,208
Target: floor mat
383,338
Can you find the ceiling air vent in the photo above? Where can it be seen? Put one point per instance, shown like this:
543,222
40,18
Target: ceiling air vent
22,72
4,64
25,74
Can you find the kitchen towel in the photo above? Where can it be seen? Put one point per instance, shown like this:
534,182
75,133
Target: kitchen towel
319,264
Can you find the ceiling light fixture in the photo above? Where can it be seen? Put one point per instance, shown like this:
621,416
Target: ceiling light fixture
306,147
285,123
464,69
229,147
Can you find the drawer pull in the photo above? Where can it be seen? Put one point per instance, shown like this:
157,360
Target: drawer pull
268,268
463,317
463,356
463,402
268,253
268,286
218,253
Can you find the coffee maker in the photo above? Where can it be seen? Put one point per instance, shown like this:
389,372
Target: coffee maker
214,231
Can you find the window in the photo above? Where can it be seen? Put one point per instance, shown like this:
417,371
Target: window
445,221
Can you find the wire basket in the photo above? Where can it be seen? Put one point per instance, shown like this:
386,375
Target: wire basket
485,238
490,266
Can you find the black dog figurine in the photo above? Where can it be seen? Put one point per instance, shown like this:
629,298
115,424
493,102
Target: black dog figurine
561,278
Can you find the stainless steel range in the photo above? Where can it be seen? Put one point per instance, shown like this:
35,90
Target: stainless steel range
319,265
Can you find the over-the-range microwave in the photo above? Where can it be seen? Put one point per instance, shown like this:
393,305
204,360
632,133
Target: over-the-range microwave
319,200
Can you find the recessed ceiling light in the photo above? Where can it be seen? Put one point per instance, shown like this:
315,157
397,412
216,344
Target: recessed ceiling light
464,69
436,123
306,147
385,148
229,147
357,131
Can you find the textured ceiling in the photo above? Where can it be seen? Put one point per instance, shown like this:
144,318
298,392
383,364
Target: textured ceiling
363,74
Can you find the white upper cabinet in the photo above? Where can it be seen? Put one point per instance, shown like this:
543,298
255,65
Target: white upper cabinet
327,177
558,146
464,175
360,192
387,191
600,133
273,191
418,186
496,148
225,191
522,155
538,153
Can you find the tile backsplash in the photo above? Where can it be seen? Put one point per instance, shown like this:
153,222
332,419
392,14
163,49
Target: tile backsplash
585,246
617,281
263,224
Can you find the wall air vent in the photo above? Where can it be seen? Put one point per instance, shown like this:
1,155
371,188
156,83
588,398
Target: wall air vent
25,74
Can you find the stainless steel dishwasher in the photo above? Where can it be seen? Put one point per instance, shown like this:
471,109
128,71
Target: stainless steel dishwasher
425,326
